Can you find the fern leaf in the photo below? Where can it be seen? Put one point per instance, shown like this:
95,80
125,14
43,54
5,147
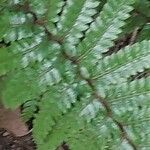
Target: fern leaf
143,7
21,82
75,132
118,67
4,24
64,74
145,33
70,11
28,110
72,129
54,8
105,29
127,100
44,120
47,11
18,28
81,23
39,7
20,54
7,62
130,104
51,109
30,50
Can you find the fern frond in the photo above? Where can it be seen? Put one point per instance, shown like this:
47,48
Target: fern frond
29,49
129,97
26,52
21,82
45,120
54,8
19,27
7,62
143,7
127,100
106,27
52,107
145,33
19,55
119,67
81,21
47,11
104,30
130,103
28,109
73,128
70,11
4,24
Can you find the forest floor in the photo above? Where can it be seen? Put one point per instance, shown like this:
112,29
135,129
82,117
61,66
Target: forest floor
14,133
10,142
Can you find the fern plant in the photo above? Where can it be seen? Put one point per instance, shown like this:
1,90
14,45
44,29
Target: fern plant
52,63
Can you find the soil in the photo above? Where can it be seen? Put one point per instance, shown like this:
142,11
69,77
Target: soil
9,142
14,133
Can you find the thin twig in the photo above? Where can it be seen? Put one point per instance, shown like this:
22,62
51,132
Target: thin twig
134,36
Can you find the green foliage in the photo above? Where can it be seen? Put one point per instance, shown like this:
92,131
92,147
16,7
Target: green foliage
54,63
145,34
143,7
